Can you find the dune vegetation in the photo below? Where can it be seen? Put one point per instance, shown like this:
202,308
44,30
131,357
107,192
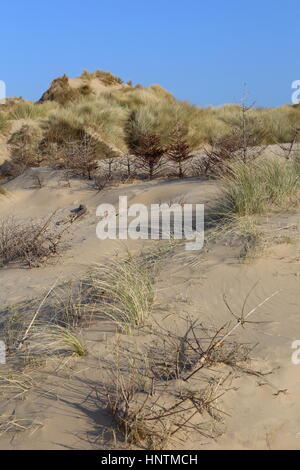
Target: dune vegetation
125,119
5,124
255,187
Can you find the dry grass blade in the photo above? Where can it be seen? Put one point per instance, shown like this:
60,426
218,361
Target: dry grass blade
14,384
35,315
12,425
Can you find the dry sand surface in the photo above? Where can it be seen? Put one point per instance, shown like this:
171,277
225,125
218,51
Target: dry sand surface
260,411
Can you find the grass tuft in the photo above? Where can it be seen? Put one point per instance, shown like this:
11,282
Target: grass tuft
125,292
252,188
58,336
29,110
5,124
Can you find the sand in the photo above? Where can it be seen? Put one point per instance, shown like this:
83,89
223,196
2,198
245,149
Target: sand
262,412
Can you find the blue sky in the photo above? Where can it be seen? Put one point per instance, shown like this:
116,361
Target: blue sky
202,51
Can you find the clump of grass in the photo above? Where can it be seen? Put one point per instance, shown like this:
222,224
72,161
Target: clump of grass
3,191
24,147
251,238
13,324
86,75
101,117
296,164
277,124
33,333
56,337
29,110
71,304
106,77
242,192
251,188
282,181
5,124
125,292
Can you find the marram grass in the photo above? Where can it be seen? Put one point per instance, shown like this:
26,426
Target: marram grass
123,293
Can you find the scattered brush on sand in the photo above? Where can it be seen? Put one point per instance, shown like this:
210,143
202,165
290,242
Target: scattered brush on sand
160,393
